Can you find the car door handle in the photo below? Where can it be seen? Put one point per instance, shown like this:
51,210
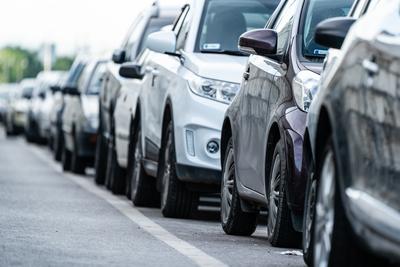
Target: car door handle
371,67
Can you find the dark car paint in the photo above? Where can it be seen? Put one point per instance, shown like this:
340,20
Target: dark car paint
349,109
263,112
72,126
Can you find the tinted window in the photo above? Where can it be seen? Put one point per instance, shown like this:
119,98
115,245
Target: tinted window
153,26
75,72
283,25
224,21
96,79
317,11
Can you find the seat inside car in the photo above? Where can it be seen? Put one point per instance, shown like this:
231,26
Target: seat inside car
225,28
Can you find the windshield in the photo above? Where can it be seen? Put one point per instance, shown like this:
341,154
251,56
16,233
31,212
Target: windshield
224,21
317,11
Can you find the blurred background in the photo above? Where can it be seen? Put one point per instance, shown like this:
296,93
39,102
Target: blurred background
38,35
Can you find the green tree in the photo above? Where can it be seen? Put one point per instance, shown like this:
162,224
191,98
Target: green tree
17,63
63,63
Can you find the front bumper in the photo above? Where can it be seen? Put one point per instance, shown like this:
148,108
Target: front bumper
197,127
294,124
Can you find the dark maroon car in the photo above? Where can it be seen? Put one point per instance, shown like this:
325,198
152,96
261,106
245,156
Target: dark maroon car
262,137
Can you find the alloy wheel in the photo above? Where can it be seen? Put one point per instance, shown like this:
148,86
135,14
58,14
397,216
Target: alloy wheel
274,195
227,186
136,166
166,172
310,212
325,213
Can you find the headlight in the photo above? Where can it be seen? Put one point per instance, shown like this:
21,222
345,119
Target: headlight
213,89
305,86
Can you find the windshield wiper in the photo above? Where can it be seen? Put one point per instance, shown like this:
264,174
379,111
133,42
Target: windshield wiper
225,52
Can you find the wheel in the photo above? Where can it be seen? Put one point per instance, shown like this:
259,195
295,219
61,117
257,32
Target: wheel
115,175
57,145
334,241
176,200
233,219
78,164
66,159
142,190
308,220
100,163
9,129
279,223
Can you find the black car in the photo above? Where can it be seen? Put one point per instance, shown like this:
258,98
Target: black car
353,142
262,136
80,117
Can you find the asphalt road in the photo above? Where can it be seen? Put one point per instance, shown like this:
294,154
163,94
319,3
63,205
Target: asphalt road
48,218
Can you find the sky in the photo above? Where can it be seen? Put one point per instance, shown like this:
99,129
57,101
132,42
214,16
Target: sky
73,25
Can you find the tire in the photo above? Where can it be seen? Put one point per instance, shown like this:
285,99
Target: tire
78,163
234,220
279,224
309,220
176,200
115,175
66,159
100,164
332,224
142,188
57,145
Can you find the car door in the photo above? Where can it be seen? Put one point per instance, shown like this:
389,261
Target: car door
161,69
127,98
374,138
261,92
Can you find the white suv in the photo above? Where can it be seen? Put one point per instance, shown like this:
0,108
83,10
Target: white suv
188,78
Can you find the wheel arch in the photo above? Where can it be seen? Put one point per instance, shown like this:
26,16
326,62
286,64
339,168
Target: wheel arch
324,131
274,135
226,133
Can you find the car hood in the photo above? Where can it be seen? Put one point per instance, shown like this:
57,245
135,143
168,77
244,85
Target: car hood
217,66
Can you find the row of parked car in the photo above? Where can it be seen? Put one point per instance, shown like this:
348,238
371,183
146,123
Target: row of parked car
308,134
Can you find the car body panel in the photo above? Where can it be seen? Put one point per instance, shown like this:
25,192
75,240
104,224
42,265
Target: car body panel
359,95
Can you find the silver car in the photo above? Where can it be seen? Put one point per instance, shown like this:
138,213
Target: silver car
190,75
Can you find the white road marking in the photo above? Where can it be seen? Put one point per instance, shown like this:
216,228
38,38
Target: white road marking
121,204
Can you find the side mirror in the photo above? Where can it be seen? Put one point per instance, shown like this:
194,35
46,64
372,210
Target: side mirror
71,90
118,56
131,70
42,95
162,42
262,42
27,96
55,88
332,32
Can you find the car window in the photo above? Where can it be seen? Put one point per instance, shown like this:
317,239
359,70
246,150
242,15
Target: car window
358,8
84,77
315,12
75,73
283,25
96,79
180,19
155,24
184,31
223,21
134,38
